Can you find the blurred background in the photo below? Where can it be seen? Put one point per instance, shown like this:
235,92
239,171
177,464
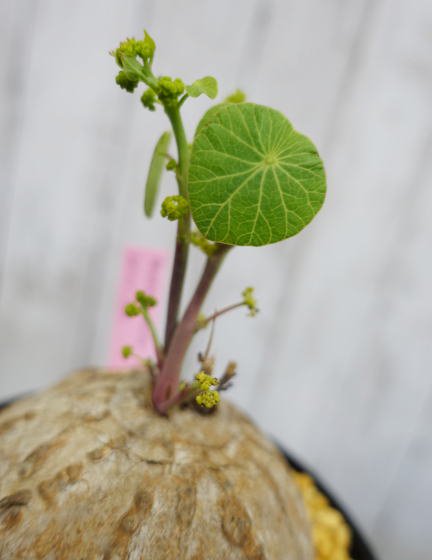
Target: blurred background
337,366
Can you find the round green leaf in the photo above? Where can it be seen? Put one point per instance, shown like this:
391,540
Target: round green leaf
253,179
155,173
237,97
208,117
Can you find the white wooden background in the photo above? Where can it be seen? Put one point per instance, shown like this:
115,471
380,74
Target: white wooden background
338,364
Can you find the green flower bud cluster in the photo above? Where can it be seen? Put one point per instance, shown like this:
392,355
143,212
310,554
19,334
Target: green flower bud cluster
250,301
207,396
174,207
149,99
135,58
132,70
141,307
206,246
131,48
125,82
145,300
170,89
142,302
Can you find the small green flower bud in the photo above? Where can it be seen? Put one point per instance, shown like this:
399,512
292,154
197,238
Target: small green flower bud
145,300
174,207
238,96
148,99
125,82
127,351
147,47
131,310
201,321
171,165
250,301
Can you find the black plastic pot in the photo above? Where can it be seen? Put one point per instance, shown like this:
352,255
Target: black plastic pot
360,550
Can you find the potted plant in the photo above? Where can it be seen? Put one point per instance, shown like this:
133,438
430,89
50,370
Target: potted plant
143,464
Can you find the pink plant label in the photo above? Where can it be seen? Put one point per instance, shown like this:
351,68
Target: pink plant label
142,269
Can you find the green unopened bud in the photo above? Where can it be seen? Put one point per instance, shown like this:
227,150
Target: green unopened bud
250,301
125,82
174,207
171,165
238,96
148,47
127,351
145,300
148,99
169,88
131,48
131,310
201,321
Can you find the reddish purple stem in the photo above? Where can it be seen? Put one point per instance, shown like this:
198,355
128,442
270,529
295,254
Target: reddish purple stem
167,382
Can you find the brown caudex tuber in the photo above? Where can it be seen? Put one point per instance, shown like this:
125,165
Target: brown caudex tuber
90,471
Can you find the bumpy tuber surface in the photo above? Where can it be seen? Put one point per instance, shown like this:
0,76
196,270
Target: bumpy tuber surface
88,470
